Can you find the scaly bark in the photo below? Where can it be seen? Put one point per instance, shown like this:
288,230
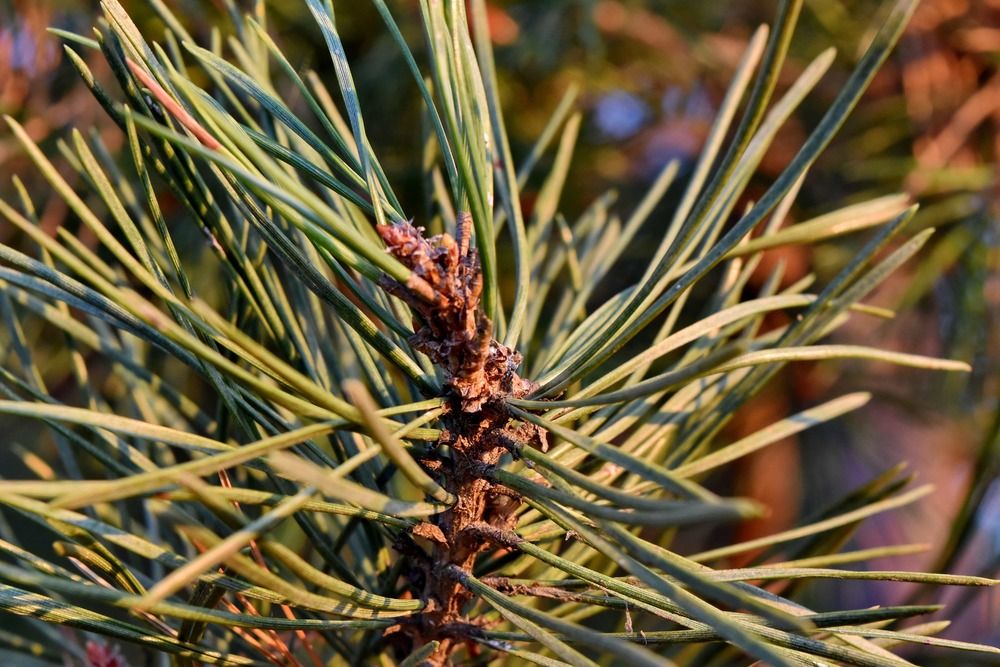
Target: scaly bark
480,373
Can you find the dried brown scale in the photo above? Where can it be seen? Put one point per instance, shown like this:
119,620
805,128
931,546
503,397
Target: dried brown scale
455,333
480,374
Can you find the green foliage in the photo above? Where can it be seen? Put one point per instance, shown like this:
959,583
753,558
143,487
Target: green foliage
379,475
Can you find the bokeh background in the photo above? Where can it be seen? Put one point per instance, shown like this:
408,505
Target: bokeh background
649,76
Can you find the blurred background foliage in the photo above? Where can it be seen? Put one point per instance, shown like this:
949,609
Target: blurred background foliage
648,75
